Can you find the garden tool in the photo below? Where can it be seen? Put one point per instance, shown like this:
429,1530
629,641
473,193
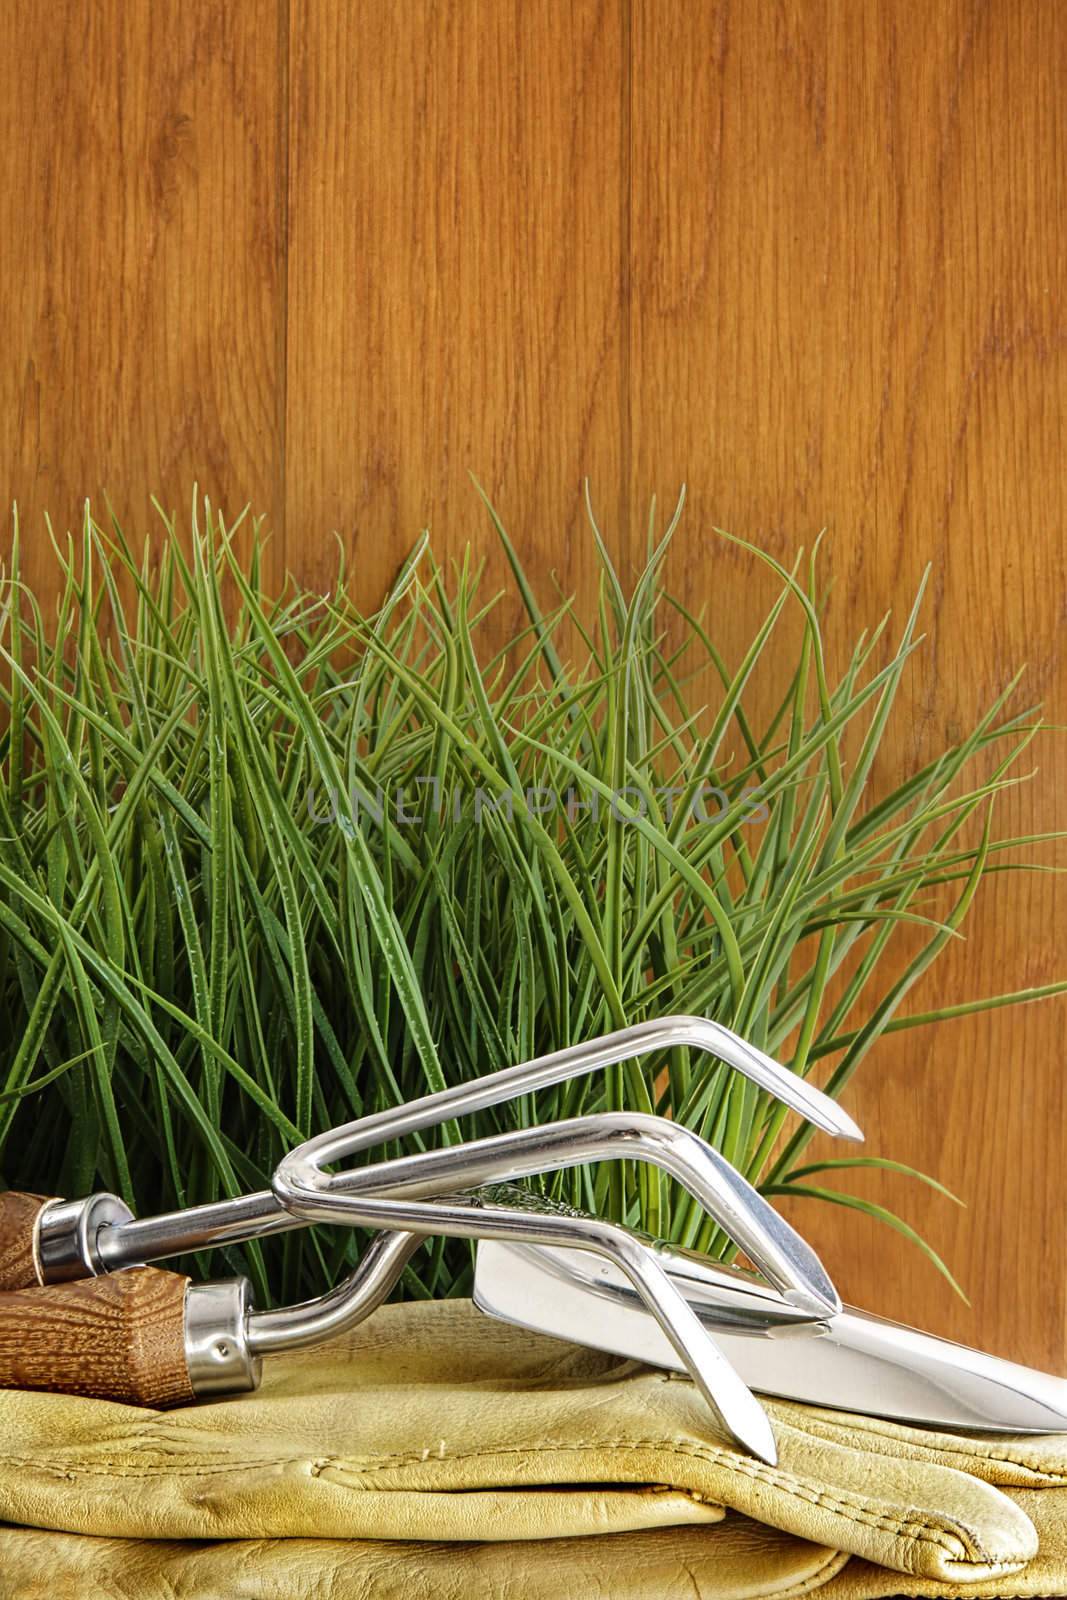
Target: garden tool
168,1341
222,1338
163,1341
151,1336
844,1360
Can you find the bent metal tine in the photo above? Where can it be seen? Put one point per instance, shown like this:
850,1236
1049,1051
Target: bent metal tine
775,1248
730,1400
123,1243
350,1302
665,1033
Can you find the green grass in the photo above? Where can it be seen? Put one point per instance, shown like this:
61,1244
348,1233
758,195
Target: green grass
267,863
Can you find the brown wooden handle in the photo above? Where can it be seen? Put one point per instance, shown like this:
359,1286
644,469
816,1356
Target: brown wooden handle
119,1337
18,1216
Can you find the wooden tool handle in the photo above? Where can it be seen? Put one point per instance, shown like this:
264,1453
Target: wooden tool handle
18,1216
118,1337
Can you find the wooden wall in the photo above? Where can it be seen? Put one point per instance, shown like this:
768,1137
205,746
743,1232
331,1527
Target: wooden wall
328,255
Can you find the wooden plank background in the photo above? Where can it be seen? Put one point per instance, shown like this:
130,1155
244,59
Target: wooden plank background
330,255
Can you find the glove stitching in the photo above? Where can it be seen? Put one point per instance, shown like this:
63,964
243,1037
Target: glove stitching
848,1509
949,1538
852,1509
925,1532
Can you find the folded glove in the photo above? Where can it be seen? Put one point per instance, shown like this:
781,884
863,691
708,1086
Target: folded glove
429,1424
735,1560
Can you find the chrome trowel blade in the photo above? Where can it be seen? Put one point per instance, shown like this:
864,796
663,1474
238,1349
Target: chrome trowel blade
852,1361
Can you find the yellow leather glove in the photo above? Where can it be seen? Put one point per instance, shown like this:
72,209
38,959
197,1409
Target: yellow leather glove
736,1560
431,1424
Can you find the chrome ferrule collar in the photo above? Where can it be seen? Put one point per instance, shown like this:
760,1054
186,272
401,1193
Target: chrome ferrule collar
217,1354
65,1234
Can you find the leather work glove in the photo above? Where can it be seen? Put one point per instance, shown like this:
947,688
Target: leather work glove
430,1425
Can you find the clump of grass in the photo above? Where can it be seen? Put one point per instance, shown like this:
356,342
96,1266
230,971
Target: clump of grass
267,863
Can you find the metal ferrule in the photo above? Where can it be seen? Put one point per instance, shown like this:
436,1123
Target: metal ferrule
65,1236
217,1353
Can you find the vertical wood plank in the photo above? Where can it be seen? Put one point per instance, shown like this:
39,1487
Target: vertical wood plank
455,279
850,307
142,275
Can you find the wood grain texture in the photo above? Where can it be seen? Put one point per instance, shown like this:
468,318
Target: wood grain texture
119,1337
455,279
807,257
18,1221
142,285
